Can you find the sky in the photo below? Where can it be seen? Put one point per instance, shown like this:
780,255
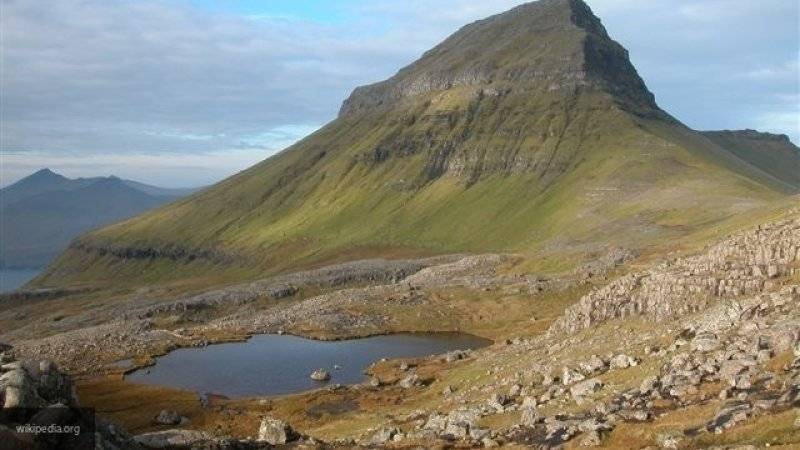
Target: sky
183,93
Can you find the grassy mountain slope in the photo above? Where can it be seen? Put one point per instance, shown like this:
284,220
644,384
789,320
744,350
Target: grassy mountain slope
528,132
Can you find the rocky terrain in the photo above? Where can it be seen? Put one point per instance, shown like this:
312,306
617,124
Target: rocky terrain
693,352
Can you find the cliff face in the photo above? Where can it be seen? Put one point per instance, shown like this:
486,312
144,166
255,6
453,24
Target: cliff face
544,46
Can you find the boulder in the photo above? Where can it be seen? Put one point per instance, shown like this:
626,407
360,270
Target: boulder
384,435
320,375
569,376
530,417
20,390
623,362
463,416
729,415
275,432
593,365
585,388
174,438
529,402
410,381
497,402
168,417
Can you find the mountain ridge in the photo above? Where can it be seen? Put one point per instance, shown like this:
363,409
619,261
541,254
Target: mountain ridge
43,212
538,161
439,69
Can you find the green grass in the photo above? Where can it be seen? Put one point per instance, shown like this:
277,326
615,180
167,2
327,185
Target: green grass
614,183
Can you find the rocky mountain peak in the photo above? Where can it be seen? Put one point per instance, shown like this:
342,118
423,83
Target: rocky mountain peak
543,46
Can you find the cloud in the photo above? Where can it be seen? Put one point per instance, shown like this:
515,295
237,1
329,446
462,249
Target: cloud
715,64
165,77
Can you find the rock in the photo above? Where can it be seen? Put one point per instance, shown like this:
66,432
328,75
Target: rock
448,390
320,375
466,417
383,436
569,376
436,422
670,440
592,439
585,388
649,384
529,402
623,362
168,417
456,355
514,390
773,271
20,390
705,342
16,365
410,381
498,402
530,417
729,415
593,365
173,438
45,366
729,370
457,430
275,432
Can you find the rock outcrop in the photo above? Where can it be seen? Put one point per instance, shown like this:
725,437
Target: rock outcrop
746,264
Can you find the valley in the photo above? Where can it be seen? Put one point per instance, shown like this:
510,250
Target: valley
608,276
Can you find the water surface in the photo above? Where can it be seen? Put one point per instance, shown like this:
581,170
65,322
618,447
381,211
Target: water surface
272,364
12,279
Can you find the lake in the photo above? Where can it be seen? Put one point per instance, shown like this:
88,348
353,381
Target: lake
273,364
14,279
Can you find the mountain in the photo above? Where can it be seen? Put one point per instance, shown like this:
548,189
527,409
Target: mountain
527,132
772,153
43,212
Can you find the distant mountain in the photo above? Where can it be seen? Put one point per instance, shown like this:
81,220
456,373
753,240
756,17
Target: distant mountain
43,212
528,132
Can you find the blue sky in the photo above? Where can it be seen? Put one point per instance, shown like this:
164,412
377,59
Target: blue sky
187,92
323,11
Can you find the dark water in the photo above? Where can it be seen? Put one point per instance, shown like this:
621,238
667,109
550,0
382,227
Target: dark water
272,364
13,279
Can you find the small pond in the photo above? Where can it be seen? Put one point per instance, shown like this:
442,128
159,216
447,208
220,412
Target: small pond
274,364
